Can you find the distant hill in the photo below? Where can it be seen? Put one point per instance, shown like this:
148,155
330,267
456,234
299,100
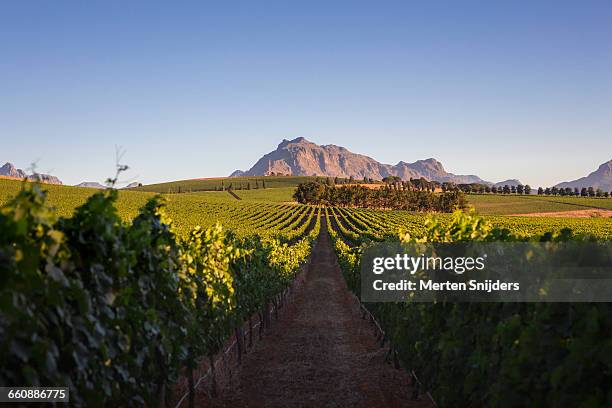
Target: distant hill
9,170
225,183
600,178
237,173
91,184
300,157
510,183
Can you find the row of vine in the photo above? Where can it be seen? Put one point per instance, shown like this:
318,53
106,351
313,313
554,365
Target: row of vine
494,354
118,311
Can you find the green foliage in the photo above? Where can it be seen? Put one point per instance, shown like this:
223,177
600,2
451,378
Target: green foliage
387,197
357,224
309,193
496,354
115,310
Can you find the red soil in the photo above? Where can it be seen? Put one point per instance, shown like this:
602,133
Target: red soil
320,353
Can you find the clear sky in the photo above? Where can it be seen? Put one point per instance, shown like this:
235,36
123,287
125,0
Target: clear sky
501,89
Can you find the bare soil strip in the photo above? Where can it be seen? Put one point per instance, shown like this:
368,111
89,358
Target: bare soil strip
320,353
591,213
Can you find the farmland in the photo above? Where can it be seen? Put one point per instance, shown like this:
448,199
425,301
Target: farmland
358,222
244,217
499,348
189,280
136,292
207,207
235,183
65,199
505,204
281,194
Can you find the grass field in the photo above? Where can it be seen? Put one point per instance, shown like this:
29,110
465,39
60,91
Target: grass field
283,194
515,204
237,184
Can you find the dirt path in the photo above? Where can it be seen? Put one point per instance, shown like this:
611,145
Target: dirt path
320,353
590,213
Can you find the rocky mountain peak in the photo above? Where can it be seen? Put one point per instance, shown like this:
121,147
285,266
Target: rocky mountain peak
605,168
297,141
304,158
600,178
9,170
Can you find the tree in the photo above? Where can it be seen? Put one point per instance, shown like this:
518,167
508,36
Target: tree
584,192
520,189
391,179
576,191
547,191
591,192
506,189
311,192
527,189
540,191
599,192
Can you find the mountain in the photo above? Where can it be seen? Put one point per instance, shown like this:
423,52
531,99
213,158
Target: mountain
237,173
510,183
91,184
44,178
300,157
600,178
9,170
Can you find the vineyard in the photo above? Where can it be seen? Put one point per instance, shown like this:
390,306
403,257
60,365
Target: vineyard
206,208
119,310
501,354
119,294
356,224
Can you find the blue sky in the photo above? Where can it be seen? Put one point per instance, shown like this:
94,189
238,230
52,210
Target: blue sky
196,89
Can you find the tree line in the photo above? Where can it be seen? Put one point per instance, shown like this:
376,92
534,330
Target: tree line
390,196
568,191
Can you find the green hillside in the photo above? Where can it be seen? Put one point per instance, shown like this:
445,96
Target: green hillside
236,184
504,204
